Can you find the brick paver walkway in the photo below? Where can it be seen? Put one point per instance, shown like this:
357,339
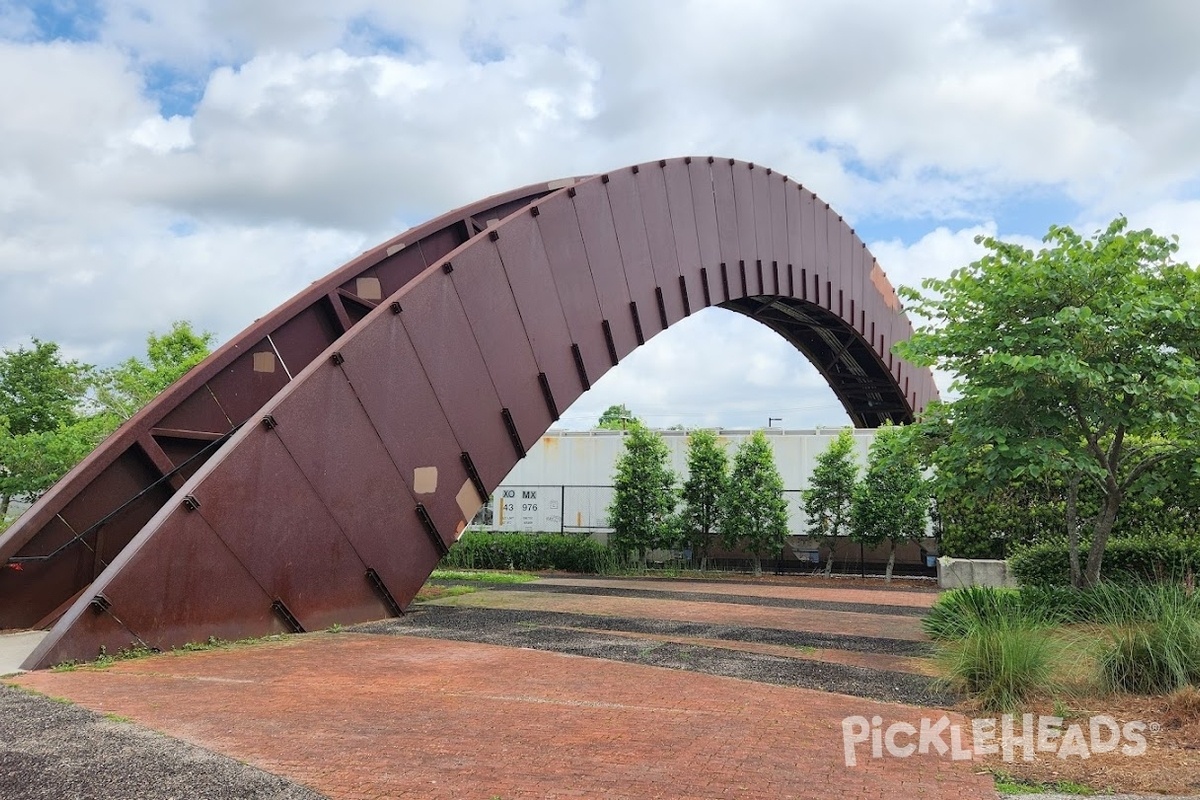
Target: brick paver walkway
836,622
359,716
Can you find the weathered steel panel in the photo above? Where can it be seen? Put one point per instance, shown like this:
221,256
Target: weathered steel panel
390,383
398,269
576,286
810,257
779,228
604,261
794,198
36,588
304,337
645,285
436,324
199,411
677,176
241,390
438,244
532,283
760,181
334,443
704,203
492,313
858,277
743,193
840,257
265,511
727,224
187,454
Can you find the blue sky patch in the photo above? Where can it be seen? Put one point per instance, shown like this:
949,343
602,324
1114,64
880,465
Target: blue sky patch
70,20
176,92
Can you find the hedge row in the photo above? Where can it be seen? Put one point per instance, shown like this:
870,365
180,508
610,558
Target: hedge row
524,551
1152,559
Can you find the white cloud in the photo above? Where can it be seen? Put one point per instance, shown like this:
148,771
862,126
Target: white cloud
322,129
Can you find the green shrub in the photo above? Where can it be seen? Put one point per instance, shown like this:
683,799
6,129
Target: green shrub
1151,559
1002,663
529,551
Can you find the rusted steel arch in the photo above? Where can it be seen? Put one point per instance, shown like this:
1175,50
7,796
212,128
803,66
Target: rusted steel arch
315,469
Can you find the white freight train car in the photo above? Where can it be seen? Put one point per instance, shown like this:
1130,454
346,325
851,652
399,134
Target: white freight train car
564,483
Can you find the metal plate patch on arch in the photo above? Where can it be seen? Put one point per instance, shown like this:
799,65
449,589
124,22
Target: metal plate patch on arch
314,469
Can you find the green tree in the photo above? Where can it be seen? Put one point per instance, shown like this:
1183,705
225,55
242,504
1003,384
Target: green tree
34,461
827,498
891,502
642,513
1078,361
617,418
706,484
974,518
40,395
755,513
124,389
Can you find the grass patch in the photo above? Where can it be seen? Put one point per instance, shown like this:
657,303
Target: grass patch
434,592
106,659
111,717
482,577
1008,785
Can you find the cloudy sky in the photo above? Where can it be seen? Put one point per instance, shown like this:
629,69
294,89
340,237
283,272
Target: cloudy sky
183,159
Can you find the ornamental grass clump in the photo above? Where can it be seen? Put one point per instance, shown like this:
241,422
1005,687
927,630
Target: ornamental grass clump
1151,637
960,612
1002,662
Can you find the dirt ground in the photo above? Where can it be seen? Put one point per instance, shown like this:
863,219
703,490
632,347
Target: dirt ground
1170,764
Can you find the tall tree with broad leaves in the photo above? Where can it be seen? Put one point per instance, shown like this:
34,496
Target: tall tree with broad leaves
755,513
1080,361
891,502
41,395
829,493
706,484
642,512
124,389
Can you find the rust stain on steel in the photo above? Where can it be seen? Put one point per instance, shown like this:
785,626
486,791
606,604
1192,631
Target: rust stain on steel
288,480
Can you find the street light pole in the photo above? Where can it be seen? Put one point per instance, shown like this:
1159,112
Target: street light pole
773,419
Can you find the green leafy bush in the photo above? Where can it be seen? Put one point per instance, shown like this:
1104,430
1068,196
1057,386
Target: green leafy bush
1125,560
530,551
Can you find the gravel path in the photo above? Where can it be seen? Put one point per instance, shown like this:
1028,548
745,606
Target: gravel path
703,597
560,633
55,751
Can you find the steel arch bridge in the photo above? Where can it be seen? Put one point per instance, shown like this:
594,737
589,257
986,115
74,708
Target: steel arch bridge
315,468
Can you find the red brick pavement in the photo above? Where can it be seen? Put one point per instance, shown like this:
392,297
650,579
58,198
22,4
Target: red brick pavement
788,619
359,716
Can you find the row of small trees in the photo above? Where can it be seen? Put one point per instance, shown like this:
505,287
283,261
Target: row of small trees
742,507
55,410
890,503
